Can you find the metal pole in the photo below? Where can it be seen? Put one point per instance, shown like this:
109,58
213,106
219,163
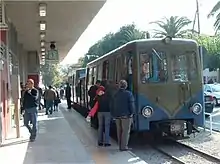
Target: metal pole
197,7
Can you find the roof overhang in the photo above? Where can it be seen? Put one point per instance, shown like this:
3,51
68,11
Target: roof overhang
65,22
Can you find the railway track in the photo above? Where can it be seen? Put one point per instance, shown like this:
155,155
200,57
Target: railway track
184,154
173,158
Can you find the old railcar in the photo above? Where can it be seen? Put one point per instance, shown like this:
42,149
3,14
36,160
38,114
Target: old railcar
165,78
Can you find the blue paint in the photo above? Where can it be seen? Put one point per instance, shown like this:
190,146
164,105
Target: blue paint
142,123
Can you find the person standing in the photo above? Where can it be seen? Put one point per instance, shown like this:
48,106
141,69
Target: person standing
57,100
40,93
92,93
50,96
30,105
92,101
123,110
104,116
61,93
68,95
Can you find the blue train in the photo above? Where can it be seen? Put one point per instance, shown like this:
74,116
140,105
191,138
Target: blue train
166,79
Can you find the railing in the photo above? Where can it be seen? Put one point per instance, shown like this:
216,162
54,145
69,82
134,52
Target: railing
211,115
210,121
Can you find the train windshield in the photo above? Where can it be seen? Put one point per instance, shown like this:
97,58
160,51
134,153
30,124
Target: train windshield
153,66
184,67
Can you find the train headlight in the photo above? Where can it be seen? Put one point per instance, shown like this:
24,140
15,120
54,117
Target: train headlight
167,39
147,111
197,108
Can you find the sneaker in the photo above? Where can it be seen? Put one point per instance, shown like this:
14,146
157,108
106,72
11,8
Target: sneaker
32,139
107,144
100,144
125,149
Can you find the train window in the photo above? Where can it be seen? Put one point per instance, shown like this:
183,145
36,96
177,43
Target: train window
118,69
153,67
130,60
94,75
193,71
99,69
105,74
124,72
179,68
111,69
91,70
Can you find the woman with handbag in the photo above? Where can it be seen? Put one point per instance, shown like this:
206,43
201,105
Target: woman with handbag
102,108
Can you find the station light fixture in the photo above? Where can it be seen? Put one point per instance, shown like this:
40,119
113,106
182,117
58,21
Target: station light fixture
43,49
42,9
43,54
42,26
42,43
42,35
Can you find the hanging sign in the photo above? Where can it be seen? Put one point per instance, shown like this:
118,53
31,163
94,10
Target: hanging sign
52,56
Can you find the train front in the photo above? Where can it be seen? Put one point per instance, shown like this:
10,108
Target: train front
170,92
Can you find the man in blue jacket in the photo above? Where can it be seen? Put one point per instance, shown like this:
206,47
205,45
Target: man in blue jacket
123,110
30,105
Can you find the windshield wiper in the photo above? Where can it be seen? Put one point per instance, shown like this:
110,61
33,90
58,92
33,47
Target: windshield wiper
156,54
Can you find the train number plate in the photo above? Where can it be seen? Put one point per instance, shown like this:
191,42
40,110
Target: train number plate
174,128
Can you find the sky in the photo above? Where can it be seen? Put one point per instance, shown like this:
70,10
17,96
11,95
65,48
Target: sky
116,13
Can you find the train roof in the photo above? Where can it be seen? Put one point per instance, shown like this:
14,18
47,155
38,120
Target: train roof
139,41
79,69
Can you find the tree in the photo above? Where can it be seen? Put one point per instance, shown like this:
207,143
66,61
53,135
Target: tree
68,70
50,74
216,11
172,26
112,41
211,59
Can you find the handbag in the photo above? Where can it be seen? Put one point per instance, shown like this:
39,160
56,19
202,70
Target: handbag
94,109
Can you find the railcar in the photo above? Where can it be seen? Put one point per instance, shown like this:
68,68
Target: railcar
166,79
78,90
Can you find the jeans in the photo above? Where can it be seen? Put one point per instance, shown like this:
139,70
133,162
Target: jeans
104,119
30,116
49,105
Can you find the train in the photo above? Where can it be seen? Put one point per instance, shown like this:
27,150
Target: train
165,78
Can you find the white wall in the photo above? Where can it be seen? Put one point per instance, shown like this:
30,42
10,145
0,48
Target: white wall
207,75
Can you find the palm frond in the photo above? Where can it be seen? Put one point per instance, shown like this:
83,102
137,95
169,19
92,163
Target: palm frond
214,9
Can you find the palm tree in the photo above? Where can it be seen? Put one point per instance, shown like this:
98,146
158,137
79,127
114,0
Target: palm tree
172,26
216,10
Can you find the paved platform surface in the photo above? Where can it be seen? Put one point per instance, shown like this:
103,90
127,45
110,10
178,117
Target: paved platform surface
63,138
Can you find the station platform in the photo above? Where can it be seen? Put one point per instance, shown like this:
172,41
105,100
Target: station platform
63,138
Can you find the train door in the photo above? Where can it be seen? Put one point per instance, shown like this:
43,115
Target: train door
87,87
118,70
73,87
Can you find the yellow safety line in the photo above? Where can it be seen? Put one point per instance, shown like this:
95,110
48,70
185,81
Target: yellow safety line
100,156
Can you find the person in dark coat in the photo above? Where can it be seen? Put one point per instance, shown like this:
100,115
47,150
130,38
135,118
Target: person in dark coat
68,95
123,110
92,97
30,105
92,93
